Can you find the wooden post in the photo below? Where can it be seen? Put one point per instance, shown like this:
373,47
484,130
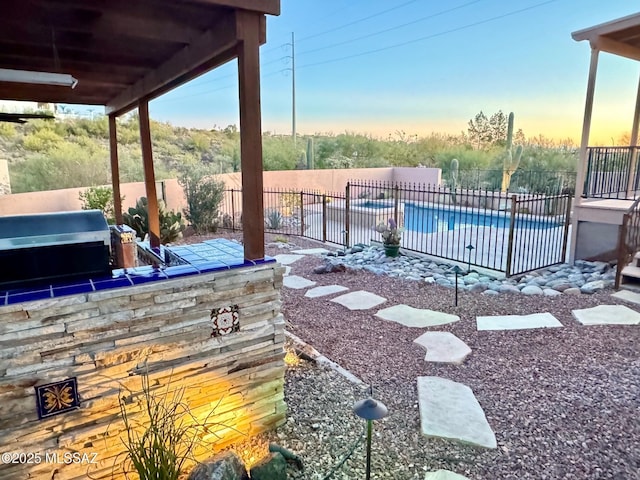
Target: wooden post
584,144
115,170
250,134
149,174
633,143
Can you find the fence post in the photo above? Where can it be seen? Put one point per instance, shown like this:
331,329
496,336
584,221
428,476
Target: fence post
567,222
396,200
346,215
233,211
324,217
512,224
301,213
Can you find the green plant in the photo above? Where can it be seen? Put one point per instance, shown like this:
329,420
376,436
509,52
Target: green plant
310,154
204,195
454,179
161,433
99,198
511,159
391,233
273,219
280,239
171,224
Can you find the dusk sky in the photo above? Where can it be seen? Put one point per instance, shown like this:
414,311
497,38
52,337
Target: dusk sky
423,66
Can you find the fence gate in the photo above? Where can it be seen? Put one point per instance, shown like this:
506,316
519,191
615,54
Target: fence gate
538,232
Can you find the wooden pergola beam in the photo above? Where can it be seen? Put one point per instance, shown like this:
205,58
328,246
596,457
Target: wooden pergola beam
218,42
271,7
149,174
608,45
249,26
115,170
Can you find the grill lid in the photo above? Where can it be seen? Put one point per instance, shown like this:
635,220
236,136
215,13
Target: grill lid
59,228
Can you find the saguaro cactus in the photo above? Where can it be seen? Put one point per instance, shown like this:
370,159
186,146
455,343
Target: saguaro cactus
310,154
454,178
511,158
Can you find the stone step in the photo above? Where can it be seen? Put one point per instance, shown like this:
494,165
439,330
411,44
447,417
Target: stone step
450,410
631,271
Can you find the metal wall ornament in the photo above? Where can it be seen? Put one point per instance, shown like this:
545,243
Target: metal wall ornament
58,397
225,320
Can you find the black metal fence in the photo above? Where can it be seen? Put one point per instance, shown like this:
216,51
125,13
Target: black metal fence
548,182
612,172
494,230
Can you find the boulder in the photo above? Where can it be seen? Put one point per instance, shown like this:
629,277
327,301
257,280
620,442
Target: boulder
224,466
273,467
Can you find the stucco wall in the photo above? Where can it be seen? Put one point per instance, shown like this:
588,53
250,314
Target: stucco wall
108,338
322,180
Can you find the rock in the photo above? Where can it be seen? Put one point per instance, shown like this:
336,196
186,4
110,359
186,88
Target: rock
273,467
478,287
224,466
593,287
562,286
550,292
509,289
531,290
572,291
356,249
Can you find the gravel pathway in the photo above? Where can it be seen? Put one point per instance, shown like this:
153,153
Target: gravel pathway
564,403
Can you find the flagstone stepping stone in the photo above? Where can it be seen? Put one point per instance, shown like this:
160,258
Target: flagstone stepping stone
443,347
443,475
359,300
294,281
627,296
324,290
517,322
450,410
415,317
607,315
312,251
287,271
287,259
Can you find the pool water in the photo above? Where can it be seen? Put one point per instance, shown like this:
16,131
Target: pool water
431,220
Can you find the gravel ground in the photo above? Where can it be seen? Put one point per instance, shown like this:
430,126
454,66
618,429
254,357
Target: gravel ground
564,403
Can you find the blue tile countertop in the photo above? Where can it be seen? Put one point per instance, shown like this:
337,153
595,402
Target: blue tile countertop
209,256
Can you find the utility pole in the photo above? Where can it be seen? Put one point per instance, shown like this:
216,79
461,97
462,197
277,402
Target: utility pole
293,88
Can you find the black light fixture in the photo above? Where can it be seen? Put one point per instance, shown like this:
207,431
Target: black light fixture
370,410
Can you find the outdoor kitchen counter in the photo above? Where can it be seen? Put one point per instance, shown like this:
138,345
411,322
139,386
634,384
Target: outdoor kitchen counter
209,256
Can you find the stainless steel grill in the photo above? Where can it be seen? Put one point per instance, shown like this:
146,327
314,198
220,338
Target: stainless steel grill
44,248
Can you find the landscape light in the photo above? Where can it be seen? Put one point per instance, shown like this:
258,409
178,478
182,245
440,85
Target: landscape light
370,410
42,78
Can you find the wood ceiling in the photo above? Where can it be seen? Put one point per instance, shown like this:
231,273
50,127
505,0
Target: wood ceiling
119,50
620,37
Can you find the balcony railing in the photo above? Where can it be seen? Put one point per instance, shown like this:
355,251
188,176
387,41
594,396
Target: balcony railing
612,172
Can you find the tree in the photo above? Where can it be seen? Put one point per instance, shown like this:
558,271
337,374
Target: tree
479,130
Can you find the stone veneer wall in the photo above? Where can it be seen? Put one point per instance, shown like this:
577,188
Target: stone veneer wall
106,338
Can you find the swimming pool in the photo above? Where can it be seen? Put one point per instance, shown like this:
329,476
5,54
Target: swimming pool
437,219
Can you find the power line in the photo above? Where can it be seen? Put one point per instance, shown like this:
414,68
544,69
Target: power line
373,34
360,20
427,37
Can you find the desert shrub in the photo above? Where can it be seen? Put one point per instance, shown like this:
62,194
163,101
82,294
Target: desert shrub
204,194
273,219
99,198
